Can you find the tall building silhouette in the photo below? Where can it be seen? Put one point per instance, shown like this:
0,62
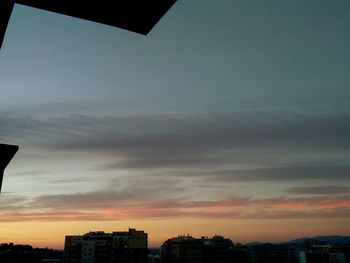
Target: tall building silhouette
270,253
100,247
187,249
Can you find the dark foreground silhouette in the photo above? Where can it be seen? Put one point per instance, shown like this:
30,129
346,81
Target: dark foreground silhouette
6,154
16,253
139,16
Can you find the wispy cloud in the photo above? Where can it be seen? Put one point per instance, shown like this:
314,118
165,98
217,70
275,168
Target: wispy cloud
31,173
319,190
178,155
307,171
156,141
10,203
122,206
239,127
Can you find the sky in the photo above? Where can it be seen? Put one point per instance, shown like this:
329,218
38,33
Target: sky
229,118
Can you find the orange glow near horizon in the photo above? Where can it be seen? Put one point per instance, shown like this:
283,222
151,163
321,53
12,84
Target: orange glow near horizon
51,234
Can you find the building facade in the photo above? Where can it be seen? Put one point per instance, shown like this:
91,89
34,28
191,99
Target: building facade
187,249
270,253
100,247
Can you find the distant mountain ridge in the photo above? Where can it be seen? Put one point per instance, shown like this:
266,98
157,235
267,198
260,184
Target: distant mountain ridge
336,239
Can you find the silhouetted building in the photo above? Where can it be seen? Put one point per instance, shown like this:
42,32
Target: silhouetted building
317,257
347,254
11,253
314,244
337,258
270,253
100,247
240,254
299,257
217,249
51,260
186,249
154,255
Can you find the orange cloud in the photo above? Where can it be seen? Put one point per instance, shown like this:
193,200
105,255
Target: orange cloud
56,209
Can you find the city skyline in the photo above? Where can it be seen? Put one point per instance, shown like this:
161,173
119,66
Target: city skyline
132,246
229,118
331,239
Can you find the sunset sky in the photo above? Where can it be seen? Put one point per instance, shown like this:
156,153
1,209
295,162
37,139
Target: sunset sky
230,118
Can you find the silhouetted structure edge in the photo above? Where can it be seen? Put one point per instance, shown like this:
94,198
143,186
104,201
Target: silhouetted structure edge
138,15
7,152
6,7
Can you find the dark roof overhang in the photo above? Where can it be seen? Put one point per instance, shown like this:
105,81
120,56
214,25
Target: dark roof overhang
139,16
6,154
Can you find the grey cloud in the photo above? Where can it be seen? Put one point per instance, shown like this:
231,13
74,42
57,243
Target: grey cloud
195,134
90,200
291,172
10,202
72,180
29,131
112,206
31,173
305,214
171,130
171,213
182,140
119,192
319,190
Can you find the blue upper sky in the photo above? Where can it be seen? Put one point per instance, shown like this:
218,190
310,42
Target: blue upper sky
202,56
